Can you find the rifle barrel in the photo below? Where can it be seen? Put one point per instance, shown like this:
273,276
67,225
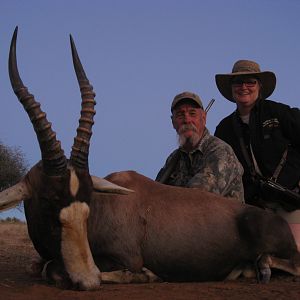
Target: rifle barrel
211,102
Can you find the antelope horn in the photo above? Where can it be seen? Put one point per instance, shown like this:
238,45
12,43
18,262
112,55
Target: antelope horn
12,196
80,148
102,185
54,160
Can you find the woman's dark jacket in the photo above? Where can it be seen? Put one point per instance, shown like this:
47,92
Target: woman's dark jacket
273,127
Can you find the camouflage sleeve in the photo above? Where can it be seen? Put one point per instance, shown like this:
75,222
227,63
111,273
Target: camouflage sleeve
159,174
220,173
166,167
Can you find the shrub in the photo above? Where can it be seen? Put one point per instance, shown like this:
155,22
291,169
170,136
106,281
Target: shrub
13,166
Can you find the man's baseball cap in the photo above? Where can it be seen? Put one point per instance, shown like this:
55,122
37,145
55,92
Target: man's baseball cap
186,96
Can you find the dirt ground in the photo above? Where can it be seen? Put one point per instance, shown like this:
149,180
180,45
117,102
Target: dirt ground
16,253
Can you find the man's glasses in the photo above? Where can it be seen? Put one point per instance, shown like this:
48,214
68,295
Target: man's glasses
248,82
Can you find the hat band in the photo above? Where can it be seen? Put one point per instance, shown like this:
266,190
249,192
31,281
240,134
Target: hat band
245,69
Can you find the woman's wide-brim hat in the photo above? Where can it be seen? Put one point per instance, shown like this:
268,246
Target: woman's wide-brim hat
246,68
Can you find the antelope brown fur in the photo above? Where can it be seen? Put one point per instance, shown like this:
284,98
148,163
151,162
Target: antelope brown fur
156,232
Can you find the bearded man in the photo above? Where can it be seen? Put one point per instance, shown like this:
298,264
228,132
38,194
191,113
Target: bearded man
202,160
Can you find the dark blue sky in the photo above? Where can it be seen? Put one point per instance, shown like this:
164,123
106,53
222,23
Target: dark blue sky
138,55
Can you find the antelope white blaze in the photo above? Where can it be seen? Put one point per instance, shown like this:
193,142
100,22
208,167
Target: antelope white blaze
75,248
74,183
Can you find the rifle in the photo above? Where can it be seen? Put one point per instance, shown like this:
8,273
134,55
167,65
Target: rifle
289,200
211,102
286,196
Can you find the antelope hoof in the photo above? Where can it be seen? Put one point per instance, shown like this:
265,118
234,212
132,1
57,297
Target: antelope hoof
54,274
264,275
150,275
263,270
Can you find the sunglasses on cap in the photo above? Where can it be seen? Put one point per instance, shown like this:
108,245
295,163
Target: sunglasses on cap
248,82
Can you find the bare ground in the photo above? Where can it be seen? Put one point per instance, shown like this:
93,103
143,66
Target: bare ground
17,252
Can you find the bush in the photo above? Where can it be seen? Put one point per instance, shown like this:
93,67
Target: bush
13,166
12,220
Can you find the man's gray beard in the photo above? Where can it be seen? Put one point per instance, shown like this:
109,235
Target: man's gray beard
192,140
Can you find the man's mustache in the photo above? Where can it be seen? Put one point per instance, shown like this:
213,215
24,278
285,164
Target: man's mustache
187,127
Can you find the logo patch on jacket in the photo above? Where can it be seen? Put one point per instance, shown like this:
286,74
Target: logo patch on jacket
271,123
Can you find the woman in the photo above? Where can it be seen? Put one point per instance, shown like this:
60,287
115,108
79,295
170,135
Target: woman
264,134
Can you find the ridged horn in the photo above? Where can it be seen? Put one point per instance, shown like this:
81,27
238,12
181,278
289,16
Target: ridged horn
80,148
54,160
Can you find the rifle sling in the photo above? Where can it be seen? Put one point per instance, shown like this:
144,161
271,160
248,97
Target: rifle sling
238,132
292,199
280,166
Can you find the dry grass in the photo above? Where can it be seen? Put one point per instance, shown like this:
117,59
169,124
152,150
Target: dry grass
17,282
12,220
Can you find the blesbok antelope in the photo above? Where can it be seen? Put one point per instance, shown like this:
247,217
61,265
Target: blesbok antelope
178,234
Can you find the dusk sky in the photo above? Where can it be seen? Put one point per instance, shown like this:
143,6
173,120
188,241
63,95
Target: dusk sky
138,55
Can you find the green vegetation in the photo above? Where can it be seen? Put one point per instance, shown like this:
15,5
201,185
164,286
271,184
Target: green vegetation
13,166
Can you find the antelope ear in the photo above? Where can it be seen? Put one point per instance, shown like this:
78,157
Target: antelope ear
12,196
104,186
